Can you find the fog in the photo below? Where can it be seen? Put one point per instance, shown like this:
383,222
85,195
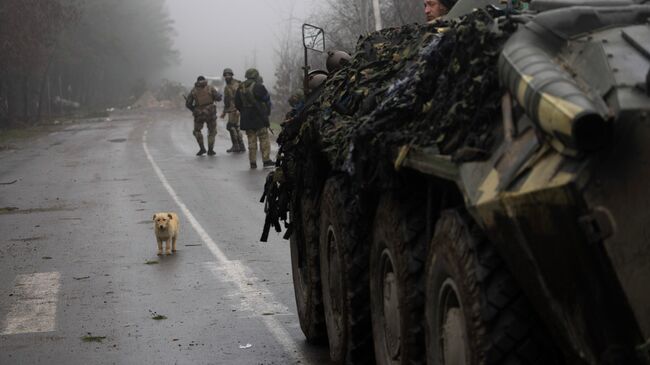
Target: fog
61,55
215,34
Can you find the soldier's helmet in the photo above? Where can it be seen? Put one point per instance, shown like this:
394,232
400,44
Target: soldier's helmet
336,60
252,73
296,98
200,78
315,79
228,71
448,3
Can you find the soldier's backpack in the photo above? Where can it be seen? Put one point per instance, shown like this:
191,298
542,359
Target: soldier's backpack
247,96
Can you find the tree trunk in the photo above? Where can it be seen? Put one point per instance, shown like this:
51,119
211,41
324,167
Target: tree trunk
25,96
41,91
4,110
11,99
44,83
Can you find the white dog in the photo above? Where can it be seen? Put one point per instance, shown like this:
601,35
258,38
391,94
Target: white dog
166,227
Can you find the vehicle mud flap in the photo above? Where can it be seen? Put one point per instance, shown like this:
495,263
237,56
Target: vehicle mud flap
306,269
397,260
475,311
344,260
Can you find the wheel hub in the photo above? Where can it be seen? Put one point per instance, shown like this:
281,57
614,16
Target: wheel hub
453,339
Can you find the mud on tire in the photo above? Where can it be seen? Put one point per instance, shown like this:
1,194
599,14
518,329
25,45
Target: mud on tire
475,311
344,259
397,262
305,268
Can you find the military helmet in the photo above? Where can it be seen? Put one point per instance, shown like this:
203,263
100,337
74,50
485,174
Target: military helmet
448,3
296,98
228,71
200,78
252,73
336,60
316,78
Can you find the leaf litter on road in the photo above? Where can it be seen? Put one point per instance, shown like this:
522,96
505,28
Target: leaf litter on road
157,317
90,338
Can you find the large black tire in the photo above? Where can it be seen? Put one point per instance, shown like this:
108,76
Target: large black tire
344,251
306,269
397,262
476,314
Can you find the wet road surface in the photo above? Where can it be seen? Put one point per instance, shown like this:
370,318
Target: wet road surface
82,283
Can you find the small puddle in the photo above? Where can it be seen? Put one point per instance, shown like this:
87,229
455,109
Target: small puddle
27,239
14,210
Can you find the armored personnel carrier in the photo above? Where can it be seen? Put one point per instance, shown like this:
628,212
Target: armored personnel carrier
475,190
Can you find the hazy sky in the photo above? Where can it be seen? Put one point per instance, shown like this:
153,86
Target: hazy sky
214,34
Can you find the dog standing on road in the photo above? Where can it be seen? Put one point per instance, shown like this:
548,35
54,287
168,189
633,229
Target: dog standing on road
166,228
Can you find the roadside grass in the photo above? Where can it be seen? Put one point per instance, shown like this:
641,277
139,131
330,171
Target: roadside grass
7,136
276,128
25,131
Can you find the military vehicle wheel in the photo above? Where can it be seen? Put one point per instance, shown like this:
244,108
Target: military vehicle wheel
396,283
344,273
475,312
306,271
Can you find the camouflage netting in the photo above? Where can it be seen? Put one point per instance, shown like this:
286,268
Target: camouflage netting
419,85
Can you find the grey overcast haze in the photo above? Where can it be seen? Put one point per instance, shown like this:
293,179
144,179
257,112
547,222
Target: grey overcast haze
214,34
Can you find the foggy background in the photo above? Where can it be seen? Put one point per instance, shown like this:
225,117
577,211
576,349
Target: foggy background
88,57
214,34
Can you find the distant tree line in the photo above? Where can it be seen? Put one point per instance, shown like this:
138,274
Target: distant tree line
60,55
344,21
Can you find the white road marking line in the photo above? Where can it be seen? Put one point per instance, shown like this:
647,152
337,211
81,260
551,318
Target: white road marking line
35,302
235,272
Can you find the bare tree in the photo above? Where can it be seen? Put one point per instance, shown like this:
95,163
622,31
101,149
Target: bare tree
345,20
29,34
88,52
288,70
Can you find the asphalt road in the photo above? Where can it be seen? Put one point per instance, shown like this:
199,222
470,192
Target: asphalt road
81,281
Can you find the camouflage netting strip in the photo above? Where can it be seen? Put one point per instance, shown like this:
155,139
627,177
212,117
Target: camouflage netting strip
422,85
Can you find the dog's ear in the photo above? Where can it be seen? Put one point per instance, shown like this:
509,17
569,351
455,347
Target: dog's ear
154,216
170,216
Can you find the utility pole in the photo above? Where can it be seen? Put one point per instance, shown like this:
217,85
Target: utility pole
377,11
365,18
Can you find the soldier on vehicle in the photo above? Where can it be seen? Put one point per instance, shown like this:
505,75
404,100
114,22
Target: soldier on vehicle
296,102
201,102
434,9
232,126
254,103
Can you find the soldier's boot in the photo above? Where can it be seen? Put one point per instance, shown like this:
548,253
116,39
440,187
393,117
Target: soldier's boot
240,143
269,164
211,149
233,140
201,146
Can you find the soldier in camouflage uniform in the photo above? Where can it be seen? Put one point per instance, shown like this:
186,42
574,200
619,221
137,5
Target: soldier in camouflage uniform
201,102
434,9
233,114
296,102
253,101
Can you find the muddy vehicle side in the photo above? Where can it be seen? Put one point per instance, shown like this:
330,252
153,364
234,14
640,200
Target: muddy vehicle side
538,253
